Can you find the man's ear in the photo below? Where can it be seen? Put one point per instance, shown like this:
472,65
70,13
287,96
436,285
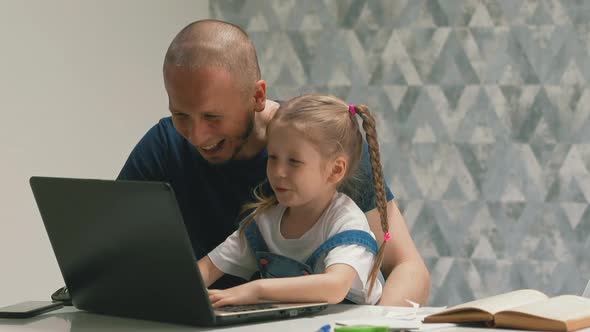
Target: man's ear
338,170
260,95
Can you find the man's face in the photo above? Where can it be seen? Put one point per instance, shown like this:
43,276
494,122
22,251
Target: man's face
210,111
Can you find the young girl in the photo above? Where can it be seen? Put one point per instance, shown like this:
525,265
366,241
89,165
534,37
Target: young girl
309,242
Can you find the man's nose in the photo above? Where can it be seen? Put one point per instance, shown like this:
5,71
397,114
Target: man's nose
199,133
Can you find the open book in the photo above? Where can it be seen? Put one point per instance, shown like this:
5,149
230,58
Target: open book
522,309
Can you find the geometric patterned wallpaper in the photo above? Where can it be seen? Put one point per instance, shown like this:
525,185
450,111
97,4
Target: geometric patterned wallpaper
484,121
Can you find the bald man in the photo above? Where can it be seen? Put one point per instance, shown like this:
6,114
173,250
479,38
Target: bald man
212,151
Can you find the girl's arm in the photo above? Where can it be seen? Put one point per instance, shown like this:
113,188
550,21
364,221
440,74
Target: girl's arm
209,271
330,286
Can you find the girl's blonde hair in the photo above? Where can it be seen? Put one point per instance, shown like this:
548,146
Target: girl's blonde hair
329,124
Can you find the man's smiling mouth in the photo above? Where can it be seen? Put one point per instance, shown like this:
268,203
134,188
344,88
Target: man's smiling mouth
212,146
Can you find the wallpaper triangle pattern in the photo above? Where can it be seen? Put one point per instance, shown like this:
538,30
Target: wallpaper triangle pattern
484,120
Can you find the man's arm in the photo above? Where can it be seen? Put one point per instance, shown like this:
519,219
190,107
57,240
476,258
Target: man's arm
149,158
406,274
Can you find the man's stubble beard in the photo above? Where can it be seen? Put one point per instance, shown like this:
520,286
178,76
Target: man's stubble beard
243,139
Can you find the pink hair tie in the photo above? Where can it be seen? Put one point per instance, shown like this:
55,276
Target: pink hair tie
386,237
352,109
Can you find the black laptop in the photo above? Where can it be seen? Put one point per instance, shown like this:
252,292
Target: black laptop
123,250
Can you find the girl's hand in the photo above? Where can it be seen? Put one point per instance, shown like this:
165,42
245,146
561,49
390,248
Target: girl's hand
247,293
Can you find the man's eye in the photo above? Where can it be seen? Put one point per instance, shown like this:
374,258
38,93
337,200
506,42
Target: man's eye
211,117
295,161
272,157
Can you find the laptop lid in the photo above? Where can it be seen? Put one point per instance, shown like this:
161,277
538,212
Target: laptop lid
123,250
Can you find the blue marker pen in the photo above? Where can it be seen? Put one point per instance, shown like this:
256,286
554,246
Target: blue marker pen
325,328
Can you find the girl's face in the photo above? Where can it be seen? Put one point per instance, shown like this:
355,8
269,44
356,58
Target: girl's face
295,169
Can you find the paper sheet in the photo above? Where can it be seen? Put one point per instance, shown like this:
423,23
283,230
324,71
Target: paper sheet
396,318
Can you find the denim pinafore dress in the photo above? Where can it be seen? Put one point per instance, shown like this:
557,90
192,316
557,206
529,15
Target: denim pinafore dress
271,265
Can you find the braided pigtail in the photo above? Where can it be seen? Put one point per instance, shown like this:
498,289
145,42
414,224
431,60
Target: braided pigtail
381,200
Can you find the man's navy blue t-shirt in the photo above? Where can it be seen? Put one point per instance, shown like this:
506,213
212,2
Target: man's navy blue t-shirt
210,197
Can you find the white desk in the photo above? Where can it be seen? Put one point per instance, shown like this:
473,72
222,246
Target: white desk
70,319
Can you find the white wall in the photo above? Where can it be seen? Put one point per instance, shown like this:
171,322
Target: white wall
80,83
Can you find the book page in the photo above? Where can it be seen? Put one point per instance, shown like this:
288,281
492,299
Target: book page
561,308
501,302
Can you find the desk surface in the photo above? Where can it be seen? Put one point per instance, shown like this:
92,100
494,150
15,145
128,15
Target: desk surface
70,319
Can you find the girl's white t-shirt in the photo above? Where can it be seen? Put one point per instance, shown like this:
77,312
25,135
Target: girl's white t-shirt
235,257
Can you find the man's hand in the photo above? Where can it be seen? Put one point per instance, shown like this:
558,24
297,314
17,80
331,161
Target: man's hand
247,293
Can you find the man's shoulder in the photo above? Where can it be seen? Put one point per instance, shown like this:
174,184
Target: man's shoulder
164,135
360,187
156,156
160,132
166,122
165,127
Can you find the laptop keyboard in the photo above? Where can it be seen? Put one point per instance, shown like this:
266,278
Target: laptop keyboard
245,307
